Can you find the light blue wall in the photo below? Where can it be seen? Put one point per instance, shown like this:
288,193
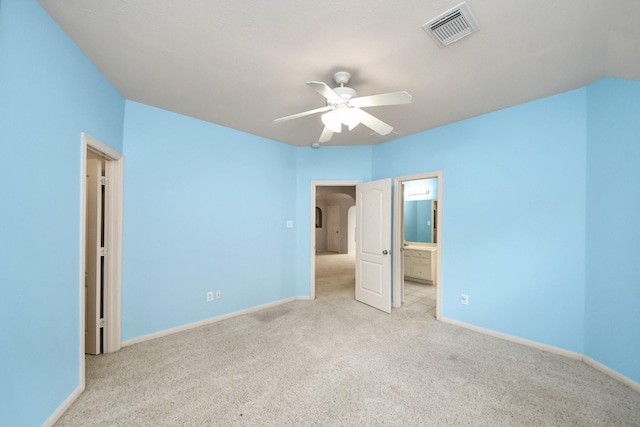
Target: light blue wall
205,209
351,163
523,271
49,93
613,237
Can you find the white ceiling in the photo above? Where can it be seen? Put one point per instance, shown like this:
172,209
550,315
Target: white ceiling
243,64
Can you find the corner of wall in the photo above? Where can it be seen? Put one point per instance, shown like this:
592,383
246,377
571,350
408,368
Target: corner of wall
612,230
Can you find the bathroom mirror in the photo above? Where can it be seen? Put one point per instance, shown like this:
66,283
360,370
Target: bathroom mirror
419,221
420,211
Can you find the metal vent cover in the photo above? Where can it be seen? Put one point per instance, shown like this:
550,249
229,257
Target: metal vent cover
452,25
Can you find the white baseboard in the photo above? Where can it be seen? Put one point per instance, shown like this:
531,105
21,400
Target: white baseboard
544,347
518,340
78,391
613,374
208,321
551,349
65,405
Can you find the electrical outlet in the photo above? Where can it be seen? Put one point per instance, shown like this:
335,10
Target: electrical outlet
218,294
209,296
464,299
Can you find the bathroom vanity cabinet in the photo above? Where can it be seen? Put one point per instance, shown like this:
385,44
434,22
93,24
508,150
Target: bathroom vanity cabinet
420,265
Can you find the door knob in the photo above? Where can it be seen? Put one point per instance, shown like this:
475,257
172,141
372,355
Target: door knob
385,252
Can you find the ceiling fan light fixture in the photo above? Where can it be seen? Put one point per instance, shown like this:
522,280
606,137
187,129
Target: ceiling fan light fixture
332,120
349,117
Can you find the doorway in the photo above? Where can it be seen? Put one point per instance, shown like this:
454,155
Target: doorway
330,228
95,253
418,237
101,172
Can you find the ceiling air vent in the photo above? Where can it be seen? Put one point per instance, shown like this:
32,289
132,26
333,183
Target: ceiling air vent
452,25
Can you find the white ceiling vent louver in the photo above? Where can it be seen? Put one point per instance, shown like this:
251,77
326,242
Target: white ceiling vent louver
452,25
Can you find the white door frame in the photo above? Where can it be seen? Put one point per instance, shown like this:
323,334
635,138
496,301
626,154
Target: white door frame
398,279
93,275
312,226
113,243
351,230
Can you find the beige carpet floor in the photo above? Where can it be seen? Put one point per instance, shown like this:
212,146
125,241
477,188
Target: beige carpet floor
336,362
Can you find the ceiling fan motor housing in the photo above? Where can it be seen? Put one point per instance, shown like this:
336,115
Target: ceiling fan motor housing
346,93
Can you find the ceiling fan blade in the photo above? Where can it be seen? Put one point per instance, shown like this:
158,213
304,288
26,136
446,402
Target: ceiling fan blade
373,123
324,90
326,135
305,113
394,98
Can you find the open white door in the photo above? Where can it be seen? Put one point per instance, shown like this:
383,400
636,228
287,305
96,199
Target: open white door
93,261
373,244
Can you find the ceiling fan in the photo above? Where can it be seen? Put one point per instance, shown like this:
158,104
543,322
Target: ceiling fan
344,107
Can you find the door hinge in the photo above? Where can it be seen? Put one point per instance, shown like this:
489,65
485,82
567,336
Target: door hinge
103,180
103,252
102,322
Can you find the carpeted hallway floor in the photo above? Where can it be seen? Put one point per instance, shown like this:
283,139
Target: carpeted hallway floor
336,362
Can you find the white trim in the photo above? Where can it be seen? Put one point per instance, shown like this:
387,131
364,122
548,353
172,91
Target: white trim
550,349
113,302
398,279
53,418
81,261
113,217
312,226
515,339
114,268
100,148
610,372
209,321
